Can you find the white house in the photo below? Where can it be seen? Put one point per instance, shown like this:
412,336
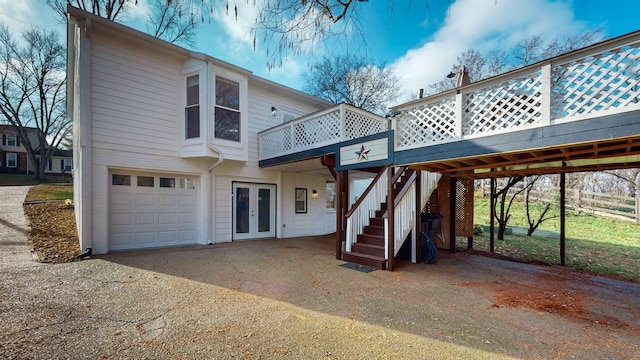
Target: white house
166,146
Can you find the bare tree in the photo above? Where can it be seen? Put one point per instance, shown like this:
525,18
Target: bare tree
32,92
502,215
293,27
172,21
526,52
354,81
544,207
108,9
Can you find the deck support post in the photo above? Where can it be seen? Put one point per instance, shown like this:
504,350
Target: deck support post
562,217
390,217
342,206
492,214
418,221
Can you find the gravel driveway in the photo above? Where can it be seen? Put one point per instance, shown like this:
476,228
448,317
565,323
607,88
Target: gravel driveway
291,299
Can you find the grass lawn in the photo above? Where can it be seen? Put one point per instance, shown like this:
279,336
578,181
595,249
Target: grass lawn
597,245
23,179
50,192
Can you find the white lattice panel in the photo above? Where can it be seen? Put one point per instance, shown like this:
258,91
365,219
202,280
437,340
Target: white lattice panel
426,124
275,142
600,82
510,104
317,130
358,125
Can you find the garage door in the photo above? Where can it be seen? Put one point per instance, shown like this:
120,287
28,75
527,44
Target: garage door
151,210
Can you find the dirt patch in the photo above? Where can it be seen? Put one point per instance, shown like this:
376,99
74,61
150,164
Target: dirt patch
53,237
548,297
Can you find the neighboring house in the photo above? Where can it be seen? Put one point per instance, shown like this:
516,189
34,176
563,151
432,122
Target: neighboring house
166,146
14,157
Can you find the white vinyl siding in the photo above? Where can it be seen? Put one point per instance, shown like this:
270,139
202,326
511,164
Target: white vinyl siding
135,106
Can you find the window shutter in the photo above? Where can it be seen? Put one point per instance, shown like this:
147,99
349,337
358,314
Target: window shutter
4,139
17,140
61,165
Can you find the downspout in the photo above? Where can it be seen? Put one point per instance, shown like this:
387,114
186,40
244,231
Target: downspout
212,194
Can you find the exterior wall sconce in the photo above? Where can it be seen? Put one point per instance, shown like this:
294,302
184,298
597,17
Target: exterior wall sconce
314,194
274,111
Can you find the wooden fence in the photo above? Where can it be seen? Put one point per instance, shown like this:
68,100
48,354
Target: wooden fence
580,201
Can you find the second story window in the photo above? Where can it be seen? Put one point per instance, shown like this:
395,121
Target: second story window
192,110
227,109
10,140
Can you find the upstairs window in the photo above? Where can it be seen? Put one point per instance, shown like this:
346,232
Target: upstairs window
227,109
10,140
192,110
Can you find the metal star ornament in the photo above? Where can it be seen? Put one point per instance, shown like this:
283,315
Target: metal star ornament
362,153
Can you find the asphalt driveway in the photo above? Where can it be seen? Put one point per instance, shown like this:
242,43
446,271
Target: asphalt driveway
291,299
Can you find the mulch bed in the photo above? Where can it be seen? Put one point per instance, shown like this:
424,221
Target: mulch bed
53,237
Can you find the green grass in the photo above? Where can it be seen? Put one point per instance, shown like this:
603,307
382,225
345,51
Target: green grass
597,245
23,179
45,192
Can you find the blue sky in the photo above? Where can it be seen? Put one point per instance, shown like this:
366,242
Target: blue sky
421,38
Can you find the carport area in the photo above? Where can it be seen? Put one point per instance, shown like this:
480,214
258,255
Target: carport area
291,298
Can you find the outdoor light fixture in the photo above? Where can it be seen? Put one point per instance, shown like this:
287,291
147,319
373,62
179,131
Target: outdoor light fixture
314,194
451,75
274,111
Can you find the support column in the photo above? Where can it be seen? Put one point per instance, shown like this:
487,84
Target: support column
492,215
562,218
452,214
418,221
391,221
342,206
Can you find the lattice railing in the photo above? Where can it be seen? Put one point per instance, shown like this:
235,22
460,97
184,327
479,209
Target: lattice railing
359,123
329,126
433,122
599,80
513,103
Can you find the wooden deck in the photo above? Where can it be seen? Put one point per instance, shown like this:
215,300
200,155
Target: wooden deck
575,112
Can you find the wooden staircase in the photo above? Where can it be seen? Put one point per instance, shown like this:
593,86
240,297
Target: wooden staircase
369,249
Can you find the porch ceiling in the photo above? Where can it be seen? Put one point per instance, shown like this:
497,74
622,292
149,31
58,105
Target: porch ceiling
590,156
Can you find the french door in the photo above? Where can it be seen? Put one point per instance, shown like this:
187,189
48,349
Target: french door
254,210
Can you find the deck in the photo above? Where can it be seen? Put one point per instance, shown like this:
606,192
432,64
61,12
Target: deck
579,111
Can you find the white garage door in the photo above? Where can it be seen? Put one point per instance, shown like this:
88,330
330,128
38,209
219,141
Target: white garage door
150,210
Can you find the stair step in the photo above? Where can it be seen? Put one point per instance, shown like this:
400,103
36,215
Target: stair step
374,230
371,239
377,221
375,262
375,250
380,213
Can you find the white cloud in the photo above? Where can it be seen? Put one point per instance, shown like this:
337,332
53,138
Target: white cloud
136,11
483,25
18,15
238,28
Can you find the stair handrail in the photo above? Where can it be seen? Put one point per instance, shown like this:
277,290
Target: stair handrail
365,207
404,211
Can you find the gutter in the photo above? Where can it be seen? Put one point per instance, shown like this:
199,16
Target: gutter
210,182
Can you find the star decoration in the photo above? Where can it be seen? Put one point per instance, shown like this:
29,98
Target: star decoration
362,153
